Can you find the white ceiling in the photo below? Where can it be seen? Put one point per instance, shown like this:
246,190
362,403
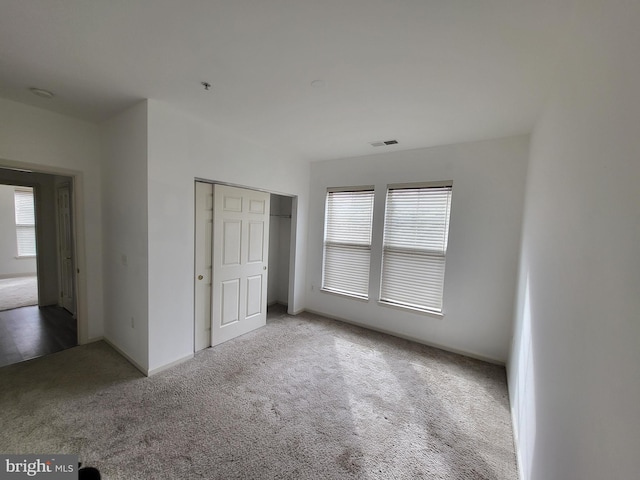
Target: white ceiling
424,72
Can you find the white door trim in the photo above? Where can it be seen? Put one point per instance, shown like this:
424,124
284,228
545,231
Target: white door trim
79,244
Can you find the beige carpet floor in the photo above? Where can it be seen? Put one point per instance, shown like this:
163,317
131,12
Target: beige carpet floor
302,398
18,292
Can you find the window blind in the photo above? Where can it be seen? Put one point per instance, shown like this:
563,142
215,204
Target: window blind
25,222
347,242
416,231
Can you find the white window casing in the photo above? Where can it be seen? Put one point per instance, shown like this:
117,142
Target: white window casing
416,232
347,241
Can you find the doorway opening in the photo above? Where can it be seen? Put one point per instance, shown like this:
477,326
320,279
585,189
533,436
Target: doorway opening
279,250
243,259
37,281
18,255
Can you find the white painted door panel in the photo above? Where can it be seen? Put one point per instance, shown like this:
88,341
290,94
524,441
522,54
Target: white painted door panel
203,264
240,254
67,291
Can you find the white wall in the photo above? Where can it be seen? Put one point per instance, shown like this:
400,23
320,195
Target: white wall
488,181
125,234
39,140
182,148
574,370
9,263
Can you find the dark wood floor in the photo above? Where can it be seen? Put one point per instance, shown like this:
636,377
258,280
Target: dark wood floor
30,332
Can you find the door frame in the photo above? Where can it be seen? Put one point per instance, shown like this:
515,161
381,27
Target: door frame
292,244
78,242
199,275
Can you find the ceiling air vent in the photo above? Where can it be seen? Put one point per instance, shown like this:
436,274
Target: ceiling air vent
383,144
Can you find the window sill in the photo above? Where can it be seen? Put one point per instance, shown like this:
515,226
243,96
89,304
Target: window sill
343,294
421,311
25,257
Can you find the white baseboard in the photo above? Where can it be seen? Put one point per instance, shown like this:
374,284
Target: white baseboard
277,302
93,340
408,337
169,365
144,371
516,444
515,431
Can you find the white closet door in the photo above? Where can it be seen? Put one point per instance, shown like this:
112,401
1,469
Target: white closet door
240,257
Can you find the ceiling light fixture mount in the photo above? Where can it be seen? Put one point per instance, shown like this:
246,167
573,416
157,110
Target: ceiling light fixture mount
206,85
384,143
41,92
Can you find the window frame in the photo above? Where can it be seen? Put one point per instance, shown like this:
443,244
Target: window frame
364,295
437,312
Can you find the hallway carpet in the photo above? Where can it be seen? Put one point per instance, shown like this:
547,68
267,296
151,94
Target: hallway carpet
303,398
18,292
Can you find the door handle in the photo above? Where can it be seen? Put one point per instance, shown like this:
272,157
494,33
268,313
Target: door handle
264,268
200,277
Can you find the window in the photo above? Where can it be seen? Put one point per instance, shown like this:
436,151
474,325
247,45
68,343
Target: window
347,241
416,229
25,222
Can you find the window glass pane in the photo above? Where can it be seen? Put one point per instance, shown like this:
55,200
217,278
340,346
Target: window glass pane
25,222
346,269
412,279
26,240
347,242
418,218
24,207
415,243
348,217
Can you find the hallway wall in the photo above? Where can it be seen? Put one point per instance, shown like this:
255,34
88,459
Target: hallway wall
42,141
